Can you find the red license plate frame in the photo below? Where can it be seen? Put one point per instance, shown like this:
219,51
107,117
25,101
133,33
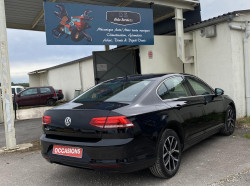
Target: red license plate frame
74,152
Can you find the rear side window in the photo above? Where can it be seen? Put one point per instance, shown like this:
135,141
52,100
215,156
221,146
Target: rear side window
199,87
114,91
173,88
45,90
29,92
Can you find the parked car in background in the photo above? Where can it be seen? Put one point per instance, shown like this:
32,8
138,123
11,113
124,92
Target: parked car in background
37,96
59,94
136,122
16,89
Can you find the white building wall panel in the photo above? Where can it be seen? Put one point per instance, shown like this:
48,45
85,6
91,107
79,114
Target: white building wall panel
87,71
238,75
164,58
34,80
66,78
220,63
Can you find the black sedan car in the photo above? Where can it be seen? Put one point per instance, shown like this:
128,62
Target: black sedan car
136,122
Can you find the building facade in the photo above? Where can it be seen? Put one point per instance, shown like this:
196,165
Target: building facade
214,52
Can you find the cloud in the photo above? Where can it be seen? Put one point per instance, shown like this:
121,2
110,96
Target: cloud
28,52
213,8
31,46
19,71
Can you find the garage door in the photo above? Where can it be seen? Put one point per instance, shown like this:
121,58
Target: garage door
112,64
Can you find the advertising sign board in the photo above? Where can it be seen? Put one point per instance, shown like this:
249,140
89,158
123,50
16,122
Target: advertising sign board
81,24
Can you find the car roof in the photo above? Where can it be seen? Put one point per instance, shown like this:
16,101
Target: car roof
17,87
41,87
148,76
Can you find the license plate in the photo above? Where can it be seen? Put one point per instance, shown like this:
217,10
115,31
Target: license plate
75,152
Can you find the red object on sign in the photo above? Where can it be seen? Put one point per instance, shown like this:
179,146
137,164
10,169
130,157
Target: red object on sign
67,151
150,54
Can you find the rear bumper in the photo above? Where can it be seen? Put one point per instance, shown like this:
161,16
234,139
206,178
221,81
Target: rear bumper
119,155
60,96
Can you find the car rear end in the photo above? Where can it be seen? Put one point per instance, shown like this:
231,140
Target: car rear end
94,135
105,140
60,94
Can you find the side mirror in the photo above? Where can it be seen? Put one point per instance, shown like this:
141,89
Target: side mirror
219,92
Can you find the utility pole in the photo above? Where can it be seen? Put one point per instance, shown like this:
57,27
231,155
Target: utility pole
6,83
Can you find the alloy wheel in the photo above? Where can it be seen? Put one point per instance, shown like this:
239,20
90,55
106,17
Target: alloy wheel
230,120
171,153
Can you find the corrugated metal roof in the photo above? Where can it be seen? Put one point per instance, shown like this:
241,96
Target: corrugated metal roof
215,20
22,14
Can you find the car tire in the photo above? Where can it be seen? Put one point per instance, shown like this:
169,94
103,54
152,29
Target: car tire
51,102
229,124
168,155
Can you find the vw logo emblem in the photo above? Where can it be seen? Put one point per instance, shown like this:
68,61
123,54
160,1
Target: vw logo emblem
67,121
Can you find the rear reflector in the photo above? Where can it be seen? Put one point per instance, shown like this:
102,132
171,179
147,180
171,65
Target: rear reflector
46,120
111,122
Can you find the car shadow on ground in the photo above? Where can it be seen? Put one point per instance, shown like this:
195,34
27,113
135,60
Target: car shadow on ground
193,154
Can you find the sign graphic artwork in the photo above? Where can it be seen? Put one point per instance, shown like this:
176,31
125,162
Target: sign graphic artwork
80,24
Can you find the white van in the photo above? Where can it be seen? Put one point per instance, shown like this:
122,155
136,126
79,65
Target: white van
14,89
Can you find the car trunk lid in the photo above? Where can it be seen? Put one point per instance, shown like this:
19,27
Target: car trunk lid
73,119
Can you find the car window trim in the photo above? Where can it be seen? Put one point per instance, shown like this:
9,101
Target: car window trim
45,92
186,86
30,94
134,100
192,91
212,90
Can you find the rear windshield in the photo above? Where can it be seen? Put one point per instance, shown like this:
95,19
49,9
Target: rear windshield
114,91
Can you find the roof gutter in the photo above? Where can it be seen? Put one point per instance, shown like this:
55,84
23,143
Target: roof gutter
207,24
210,23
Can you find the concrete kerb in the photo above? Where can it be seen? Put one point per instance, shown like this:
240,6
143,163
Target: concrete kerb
31,113
20,148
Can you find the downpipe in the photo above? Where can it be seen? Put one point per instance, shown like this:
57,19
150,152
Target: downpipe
245,28
246,59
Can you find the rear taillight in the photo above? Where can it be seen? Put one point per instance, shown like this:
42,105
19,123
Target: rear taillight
46,120
115,122
60,92
55,94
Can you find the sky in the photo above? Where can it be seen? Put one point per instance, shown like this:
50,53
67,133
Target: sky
28,50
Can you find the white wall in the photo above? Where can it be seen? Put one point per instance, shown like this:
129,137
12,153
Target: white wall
87,70
220,63
164,56
66,78
238,72
34,80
